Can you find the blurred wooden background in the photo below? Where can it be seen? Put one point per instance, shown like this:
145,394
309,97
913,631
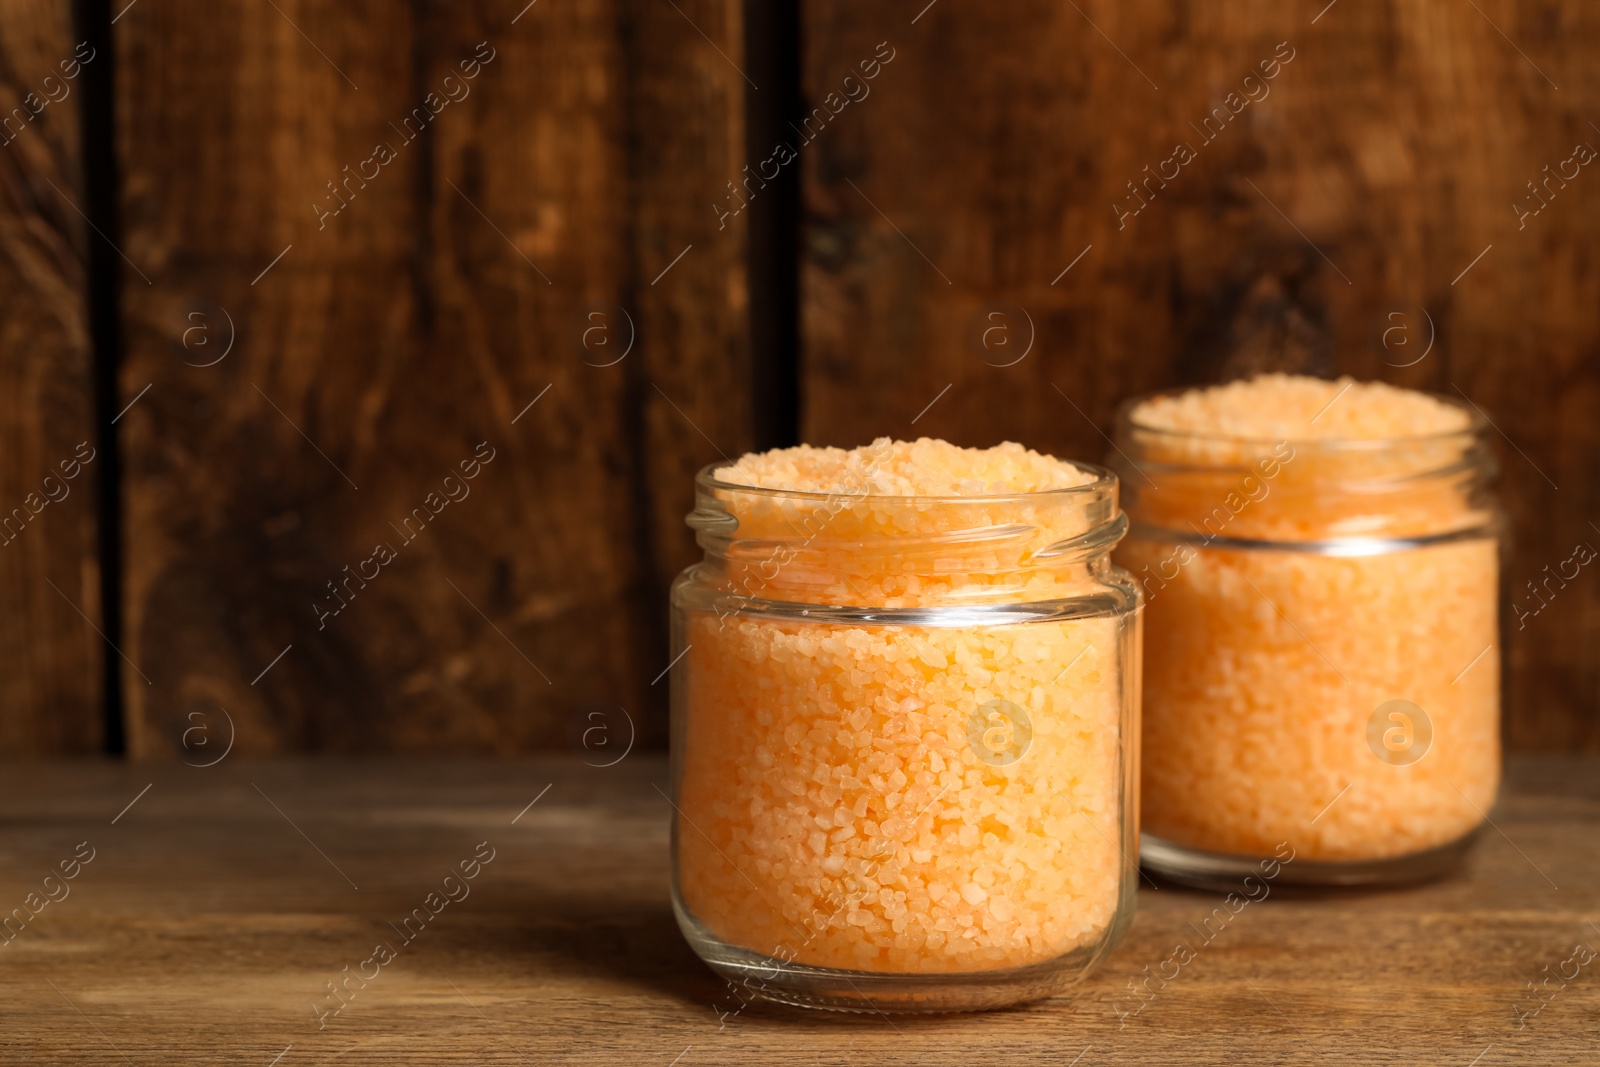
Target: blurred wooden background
276,341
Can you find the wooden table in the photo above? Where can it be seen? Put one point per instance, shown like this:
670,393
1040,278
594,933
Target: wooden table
219,904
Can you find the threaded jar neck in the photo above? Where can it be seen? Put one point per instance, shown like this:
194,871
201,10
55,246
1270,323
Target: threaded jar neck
1221,488
905,551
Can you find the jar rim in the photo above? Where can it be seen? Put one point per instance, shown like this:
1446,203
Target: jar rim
1477,424
1104,479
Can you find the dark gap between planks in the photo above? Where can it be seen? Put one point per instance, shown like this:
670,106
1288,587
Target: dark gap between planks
91,21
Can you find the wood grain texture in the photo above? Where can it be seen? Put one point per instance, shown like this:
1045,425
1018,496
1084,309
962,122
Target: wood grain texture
51,687
1381,158
693,369
450,292
206,927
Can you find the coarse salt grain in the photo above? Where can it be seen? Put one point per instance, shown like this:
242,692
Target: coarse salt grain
1265,667
1274,407
921,468
939,862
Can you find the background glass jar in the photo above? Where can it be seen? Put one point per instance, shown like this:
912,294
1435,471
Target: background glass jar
1323,627
904,744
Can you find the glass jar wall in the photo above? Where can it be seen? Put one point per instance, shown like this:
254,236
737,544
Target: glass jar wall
904,743
1324,660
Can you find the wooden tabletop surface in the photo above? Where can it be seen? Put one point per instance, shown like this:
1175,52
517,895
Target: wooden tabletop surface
209,911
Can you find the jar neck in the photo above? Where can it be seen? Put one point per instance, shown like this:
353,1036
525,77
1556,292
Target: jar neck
892,552
1218,490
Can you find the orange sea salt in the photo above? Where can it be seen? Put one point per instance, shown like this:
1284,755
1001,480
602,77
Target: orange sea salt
1311,551
836,810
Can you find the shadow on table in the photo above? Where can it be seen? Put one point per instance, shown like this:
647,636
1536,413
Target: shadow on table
1453,877
624,941
620,940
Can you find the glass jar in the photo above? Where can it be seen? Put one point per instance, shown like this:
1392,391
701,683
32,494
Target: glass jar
1323,626
904,744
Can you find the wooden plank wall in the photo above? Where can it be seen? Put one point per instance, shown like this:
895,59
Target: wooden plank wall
350,267
501,258
51,684
1375,166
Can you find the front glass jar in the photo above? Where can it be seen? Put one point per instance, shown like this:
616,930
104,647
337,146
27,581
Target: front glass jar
1323,629
904,743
